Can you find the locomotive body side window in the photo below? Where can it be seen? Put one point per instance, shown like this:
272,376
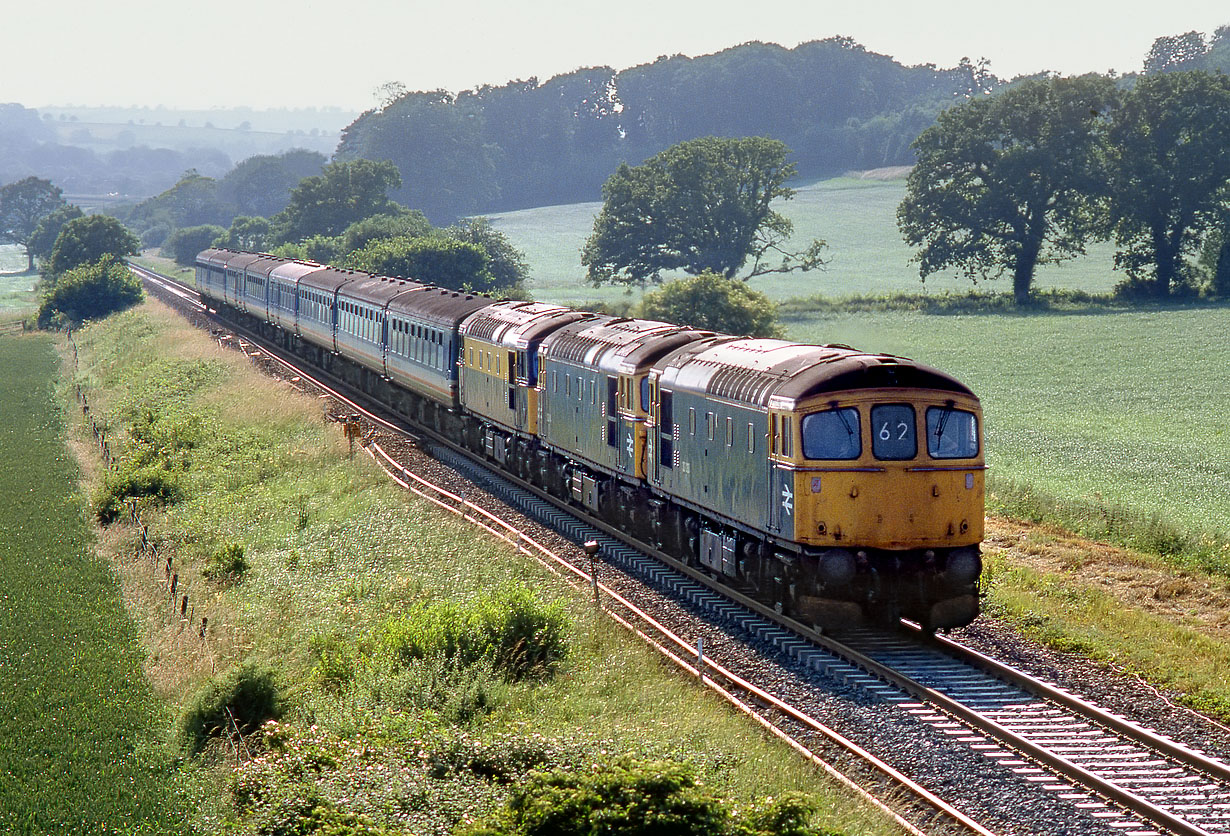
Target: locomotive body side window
893,436
832,434
951,433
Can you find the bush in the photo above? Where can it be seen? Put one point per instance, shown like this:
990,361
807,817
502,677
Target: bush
242,699
637,798
150,482
513,629
184,244
456,265
714,303
227,563
90,291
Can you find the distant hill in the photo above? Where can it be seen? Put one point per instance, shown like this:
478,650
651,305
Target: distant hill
99,155
530,143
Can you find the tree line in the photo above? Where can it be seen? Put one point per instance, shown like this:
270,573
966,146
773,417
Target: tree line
531,143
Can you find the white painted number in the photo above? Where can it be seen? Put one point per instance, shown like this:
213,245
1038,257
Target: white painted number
903,431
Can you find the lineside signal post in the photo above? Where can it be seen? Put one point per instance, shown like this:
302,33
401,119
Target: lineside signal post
591,549
352,431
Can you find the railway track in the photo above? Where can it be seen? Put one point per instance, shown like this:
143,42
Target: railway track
1107,773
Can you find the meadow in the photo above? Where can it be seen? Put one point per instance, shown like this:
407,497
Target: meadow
1106,419
81,734
856,217
16,286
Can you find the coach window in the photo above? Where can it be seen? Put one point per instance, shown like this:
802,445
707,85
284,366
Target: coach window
751,438
666,430
787,437
710,425
691,420
730,431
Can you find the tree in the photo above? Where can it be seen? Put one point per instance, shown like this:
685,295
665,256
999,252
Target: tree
712,302
91,290
1008,183
433,260
704,204
346,192
504,261
260,186
23,205
86,240
408,224
1169,174
1215,257
184,244
45,234
1175,52
246,233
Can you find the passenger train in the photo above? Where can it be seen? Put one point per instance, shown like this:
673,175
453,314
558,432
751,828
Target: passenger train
834,485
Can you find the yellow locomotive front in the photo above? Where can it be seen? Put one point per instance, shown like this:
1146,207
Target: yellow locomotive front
888,491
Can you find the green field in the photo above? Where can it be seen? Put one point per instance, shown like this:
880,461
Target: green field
81,733
16,285
1110,421
856,217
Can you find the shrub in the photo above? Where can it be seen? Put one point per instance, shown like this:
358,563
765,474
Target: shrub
228,562
637,798
715,303
90,291
240,700
521,636
149,482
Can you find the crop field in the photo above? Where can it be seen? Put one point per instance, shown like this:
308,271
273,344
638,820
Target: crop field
81,732
856,217
1119,416
16,286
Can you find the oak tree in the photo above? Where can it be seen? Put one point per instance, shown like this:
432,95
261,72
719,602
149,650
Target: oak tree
1006,183
1169,174
703,204
86,240
23,205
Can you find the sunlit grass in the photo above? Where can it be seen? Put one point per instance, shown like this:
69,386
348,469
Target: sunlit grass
857,218
1065,614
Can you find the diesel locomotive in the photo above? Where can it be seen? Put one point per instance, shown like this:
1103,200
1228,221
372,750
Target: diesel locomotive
836,485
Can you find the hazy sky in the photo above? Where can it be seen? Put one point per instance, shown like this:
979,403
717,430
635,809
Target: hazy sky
318,53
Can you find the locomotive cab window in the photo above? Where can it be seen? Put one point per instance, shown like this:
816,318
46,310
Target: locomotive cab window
951,433
893,435
832,434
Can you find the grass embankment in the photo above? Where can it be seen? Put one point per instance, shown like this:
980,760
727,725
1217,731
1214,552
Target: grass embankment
341,577
81,732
